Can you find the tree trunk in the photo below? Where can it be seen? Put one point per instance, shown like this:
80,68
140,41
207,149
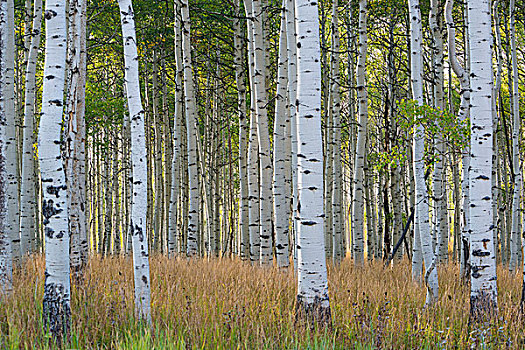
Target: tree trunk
483,295
192,248
515,245
56,303
28,181
176,161
240,78
138,164
76,138
440,194
359,164
312,296
6,262
292,97
281,184
253,156
261,101
422,220
337,179
463,115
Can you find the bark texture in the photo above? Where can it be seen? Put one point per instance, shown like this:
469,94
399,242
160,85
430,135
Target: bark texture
56,304
312,295
138,163
483,289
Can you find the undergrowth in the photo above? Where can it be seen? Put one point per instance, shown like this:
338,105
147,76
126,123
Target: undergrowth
229,304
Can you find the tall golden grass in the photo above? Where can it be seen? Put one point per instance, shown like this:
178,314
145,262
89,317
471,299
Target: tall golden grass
229,304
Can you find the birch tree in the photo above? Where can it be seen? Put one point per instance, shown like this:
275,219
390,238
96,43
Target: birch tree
263,138
6,272
312,294
178,118
76,137
292,97
11,151
253,151
138,164
440,194
57,294
191,132
515,246
422,220
240,78
463,115
358,203
28,180
335,96
281,180
483,288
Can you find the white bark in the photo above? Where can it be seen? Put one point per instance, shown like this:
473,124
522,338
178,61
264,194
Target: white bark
13,214
56,304
499,217
483,297
440,194
76,137
6,272
358,203
312,292
261,100
292,97
335,95
28,180
463,115
281,183
240,76
138,164
516,127
173,232
192,132
422,219
253,155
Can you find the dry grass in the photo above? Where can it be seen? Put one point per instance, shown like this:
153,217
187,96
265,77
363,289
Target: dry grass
224,304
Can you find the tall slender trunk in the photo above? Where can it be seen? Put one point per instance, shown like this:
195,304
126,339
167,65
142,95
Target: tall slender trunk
312,295
440,194
13,213
176,161
6,267
463,115
193,233
56,303
496,181
281,184
483,296
422,220
515,245
359,164
240,78
253,147
261,100
138,164
337,178
28,179
292,97
76,137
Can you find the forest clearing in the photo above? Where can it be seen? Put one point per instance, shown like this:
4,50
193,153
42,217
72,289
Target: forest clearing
200,174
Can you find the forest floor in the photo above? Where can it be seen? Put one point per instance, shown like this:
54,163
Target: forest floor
228,304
